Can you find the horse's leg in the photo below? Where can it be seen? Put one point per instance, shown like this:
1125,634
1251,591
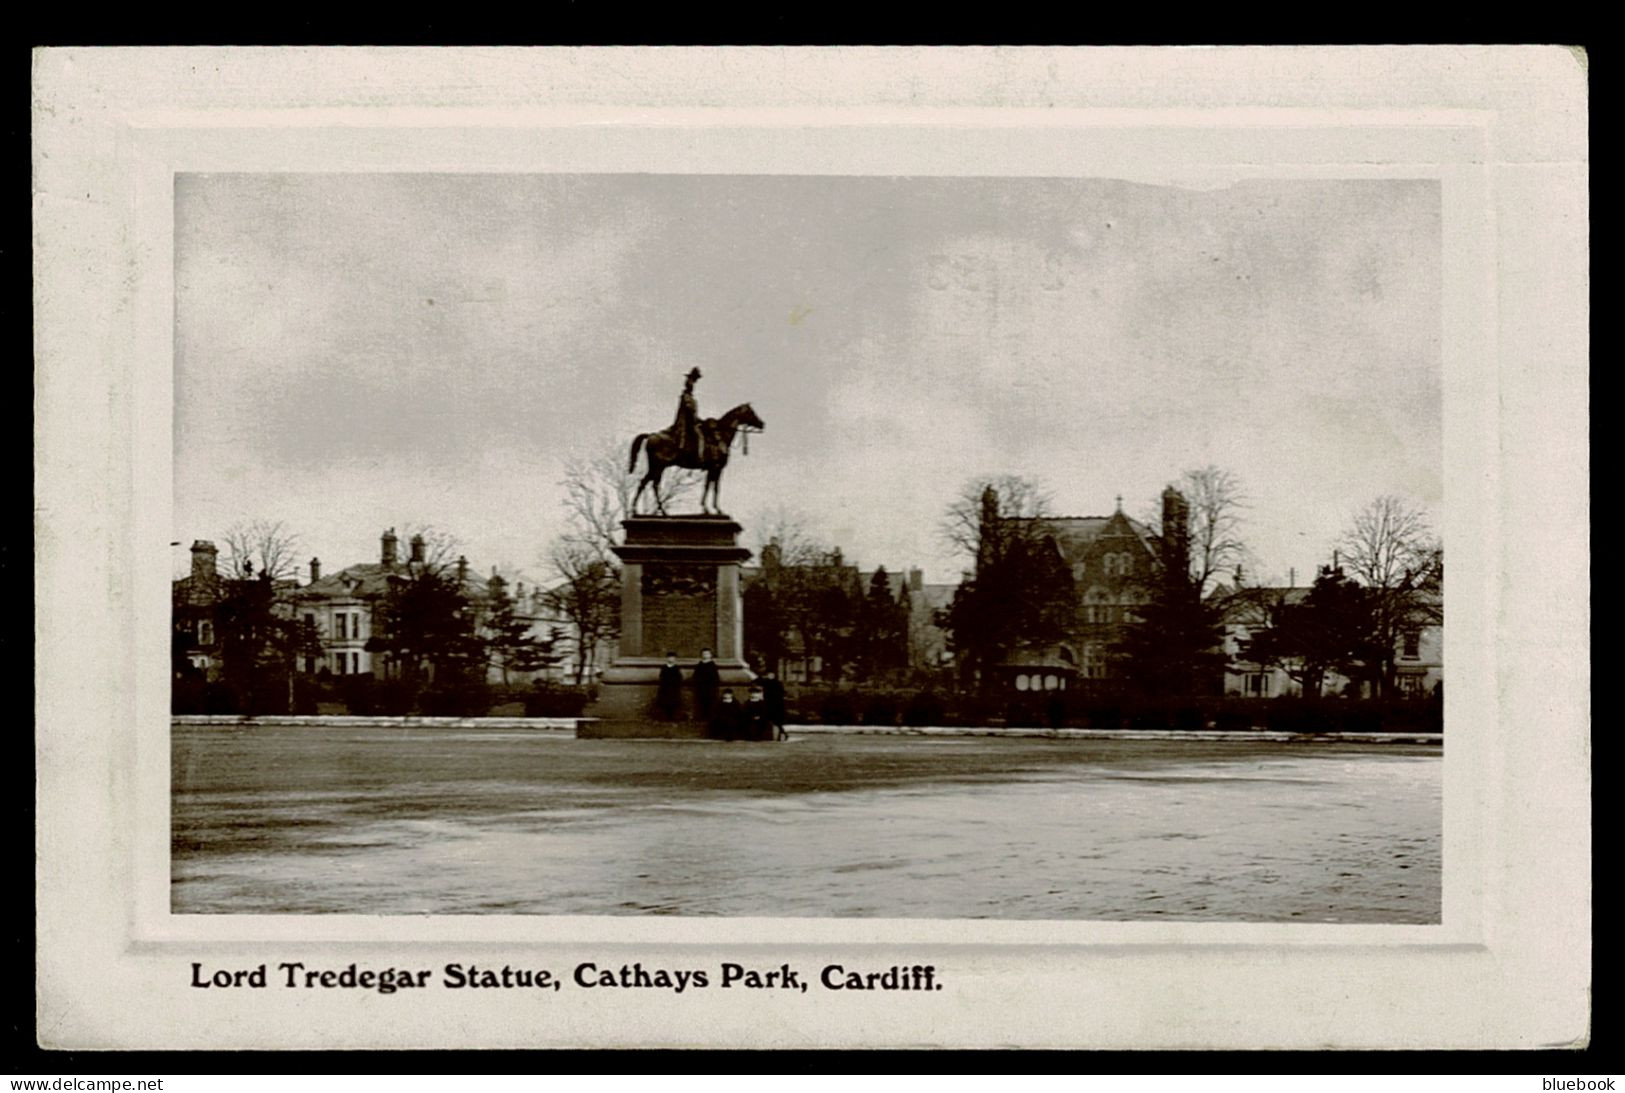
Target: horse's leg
658,470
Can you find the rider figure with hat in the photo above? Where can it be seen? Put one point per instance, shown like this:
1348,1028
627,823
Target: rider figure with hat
687,426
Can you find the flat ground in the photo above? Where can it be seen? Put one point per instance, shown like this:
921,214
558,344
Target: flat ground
300,819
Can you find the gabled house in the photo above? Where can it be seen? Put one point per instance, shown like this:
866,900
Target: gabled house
1115,562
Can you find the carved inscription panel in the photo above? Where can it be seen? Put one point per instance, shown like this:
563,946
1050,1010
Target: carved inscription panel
679,608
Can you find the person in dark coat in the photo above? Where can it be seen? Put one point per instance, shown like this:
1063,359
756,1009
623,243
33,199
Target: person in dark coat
757,726
669,698
725,721
773,700
707,678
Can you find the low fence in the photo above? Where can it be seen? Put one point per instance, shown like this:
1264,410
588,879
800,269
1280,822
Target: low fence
342,721
864,708
1080,710
567,727
366,696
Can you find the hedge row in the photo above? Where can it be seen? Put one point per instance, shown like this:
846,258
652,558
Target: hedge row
366,696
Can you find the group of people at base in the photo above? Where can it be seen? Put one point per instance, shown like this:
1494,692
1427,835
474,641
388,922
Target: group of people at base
759,717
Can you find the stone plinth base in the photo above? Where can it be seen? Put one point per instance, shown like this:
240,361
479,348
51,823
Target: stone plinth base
640,730
626,701
679,594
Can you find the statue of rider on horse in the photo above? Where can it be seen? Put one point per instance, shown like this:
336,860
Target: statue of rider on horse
692,443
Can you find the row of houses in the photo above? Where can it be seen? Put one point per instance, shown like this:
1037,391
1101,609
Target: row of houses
342,606
1250,609
1113,559
1110,559
1113,562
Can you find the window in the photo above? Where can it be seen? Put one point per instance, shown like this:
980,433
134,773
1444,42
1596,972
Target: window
1258,684
1094,662
205,632
310,620
338,664
355,626
1022,682
1412,644
338,628
1094,609
355,664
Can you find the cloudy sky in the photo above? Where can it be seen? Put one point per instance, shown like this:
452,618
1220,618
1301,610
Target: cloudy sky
360,351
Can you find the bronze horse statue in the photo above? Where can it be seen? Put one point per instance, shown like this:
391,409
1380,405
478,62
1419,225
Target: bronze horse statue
663,450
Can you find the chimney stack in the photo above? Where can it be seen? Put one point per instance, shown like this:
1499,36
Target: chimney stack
315,570
462,563
989,521
417,550
387,545
1175,531
916,580
204,558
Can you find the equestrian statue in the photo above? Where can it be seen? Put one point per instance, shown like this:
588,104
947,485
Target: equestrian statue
692,443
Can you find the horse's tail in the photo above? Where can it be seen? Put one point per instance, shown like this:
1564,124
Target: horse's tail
637,445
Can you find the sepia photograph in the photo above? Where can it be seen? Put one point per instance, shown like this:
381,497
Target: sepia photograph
808,546
811,548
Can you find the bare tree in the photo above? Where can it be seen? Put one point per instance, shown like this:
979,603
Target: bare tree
598,496
424,625
262,643
1021,593
1216,502
788,531
1387,541
587,595
1391,549
1217,505
262,548
598,493
1019,507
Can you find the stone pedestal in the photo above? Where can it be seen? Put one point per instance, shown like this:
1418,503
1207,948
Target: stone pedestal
679,593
